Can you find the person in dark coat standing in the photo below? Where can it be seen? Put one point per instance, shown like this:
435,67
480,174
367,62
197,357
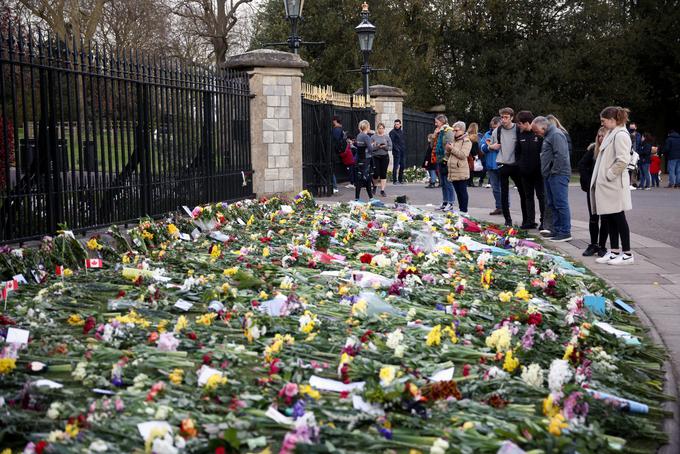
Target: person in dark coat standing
598,229
671,150
645,153
430,163
529,162
398,153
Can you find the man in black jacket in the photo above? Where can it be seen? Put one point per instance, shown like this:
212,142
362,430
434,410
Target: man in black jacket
398,152
529,162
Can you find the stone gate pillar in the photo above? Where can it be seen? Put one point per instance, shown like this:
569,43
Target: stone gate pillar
275,119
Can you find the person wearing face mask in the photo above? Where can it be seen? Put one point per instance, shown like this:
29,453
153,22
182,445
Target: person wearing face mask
598,228
458,169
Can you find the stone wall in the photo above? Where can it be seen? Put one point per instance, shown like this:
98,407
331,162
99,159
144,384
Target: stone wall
275,120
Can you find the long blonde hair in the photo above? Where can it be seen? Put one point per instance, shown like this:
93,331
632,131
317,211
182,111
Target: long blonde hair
600,133
473,131
555,121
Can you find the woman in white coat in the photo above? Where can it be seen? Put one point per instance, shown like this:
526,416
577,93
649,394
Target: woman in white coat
609,186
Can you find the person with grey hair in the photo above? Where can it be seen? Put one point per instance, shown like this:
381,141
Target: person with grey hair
458,168
443,140
556,171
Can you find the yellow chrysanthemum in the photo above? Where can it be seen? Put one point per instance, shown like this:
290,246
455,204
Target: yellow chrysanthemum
214,381
523,294
173,230
550,409
68,272
265,252
359,307
511,363
215,252
499,339
434,337
176,376
557,423
7,365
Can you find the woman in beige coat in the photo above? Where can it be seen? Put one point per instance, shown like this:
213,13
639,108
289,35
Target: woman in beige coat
458,168
609,185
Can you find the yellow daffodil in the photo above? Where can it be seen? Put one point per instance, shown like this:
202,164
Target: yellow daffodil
161,326
181,324
134,318
568,352
230,271
306,390
505,297
522,293
214,381
206,319
93,245
550,409
68,272
75,320
451,331
173,230
265,252
215,252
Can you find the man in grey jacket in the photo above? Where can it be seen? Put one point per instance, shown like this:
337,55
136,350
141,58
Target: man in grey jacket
556,171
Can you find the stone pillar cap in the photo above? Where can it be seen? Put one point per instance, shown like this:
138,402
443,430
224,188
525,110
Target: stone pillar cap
376,91
266,58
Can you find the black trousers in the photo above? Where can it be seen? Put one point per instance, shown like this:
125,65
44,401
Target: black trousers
597,226
533,185
618,228
362,178
506,172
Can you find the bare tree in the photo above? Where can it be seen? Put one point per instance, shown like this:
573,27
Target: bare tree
139,24
212,20
71,20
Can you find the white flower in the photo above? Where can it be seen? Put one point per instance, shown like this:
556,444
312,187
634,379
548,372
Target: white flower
381,261
439,446
399,351
395,338
98,446
533,375
560,373
162,413
411,314
80,372
495,372
55,408
164,445
484,258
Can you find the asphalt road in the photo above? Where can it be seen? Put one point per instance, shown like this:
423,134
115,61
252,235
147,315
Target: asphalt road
655,214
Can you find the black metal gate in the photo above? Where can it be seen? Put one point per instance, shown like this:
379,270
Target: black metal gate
89,138
319,162
417,125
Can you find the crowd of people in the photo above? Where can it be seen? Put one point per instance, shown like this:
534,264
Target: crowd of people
532,154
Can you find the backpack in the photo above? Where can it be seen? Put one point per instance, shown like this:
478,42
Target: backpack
347,157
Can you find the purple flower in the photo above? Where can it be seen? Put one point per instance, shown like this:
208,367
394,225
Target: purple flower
298,409
167,342
528,338
387,433
573,408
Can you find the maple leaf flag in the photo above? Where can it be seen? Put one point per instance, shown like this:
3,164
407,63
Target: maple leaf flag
12,285
93,263
59,270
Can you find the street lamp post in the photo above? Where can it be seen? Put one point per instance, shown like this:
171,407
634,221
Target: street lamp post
294,14
366,33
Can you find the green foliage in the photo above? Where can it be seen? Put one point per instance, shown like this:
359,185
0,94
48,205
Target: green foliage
570,58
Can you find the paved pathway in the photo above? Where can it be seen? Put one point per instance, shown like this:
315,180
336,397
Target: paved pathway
653,282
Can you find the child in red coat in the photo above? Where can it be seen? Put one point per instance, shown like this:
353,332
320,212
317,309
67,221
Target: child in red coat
655,167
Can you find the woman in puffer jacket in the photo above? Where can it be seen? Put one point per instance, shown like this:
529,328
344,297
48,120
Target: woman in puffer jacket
458,168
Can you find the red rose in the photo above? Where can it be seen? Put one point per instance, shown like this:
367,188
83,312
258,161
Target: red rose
40,446
90,323
535,319
366,258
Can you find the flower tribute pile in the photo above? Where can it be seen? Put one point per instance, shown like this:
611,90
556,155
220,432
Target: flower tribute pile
278,326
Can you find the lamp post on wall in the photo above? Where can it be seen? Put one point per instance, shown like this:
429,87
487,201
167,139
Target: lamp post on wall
366,34
294,14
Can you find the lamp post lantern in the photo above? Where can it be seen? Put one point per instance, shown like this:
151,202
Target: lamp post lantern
366,34
294,14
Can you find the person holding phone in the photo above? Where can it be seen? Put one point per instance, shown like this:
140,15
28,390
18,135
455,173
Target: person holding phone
382,145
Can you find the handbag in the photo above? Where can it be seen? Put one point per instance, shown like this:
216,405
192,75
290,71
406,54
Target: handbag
634,158
347,157
478,167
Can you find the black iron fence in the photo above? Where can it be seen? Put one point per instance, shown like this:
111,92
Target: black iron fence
319,161
417,125
89,138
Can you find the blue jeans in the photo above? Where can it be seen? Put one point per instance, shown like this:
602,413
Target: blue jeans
674,171
645,177
495,182
433,176
447,187
398,165
557,197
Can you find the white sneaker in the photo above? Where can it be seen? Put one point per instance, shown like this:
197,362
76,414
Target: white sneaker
607,257
622,259
487,185
632,188
335,191
349,186
448,207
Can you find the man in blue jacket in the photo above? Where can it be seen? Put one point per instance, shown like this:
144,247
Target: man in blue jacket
398,152
671,149
491,166
556,171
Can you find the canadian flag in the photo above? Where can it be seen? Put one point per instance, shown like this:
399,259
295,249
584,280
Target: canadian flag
59,270
4,294
12,285
93,263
